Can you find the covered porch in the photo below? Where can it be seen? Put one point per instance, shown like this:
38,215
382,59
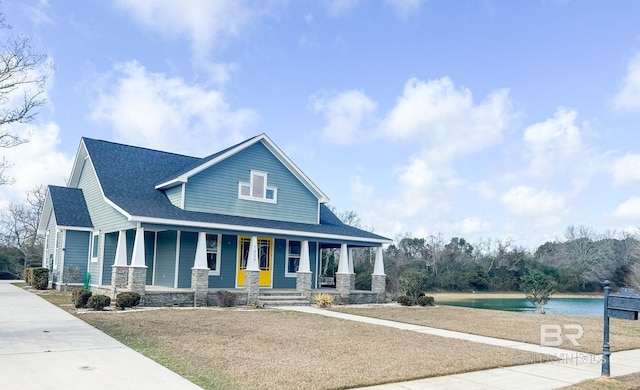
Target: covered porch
134,268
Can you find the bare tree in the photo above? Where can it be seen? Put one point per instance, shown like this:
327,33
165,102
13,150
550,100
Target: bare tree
23,75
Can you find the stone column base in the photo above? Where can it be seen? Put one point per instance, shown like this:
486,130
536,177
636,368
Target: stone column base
119,276
252,285
200,286
379,286
303,283
137,279
343,285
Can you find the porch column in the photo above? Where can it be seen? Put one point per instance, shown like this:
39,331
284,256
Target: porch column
138,269
352,277
343,276
378,278
252,273
120,269
303,276
200,272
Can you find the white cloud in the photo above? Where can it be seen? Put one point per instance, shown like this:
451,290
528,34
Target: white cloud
341,7
404,8
628,98
626,169
445,119
346,114
530,202
556,144
629,210
35,162
206,23
150,109
471,226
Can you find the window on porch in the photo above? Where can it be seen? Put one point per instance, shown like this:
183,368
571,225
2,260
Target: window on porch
293,257
213,253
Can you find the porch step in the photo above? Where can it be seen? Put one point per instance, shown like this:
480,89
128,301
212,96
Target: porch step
282,299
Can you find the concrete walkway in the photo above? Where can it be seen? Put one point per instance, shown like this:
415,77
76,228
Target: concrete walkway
572,367
44,347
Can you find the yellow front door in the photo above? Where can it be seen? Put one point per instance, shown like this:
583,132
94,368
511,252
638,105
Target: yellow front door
265,259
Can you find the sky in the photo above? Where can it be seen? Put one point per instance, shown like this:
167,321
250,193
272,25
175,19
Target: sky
477,119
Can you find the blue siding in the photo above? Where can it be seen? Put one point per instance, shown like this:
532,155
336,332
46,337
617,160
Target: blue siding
149,245
76,252
188,242
104,216
228,263
109,256
215,190
166,259
96,266
313,261
279,266
175,195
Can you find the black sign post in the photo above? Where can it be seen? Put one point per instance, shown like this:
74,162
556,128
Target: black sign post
625,305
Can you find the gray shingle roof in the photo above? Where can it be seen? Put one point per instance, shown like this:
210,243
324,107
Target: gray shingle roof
128,176
70,207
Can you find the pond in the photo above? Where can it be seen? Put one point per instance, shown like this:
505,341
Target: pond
564,306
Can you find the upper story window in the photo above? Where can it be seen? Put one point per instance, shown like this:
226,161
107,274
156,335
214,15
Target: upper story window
213,253
257,189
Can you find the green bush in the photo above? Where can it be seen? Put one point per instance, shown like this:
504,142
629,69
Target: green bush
40,278
425,301
80,297
99,302
127,299
27,276
226,298
405,300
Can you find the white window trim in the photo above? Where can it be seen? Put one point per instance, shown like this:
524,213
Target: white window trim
218,251
286,260
264,193
97,250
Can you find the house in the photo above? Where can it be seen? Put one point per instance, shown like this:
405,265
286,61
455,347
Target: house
245,219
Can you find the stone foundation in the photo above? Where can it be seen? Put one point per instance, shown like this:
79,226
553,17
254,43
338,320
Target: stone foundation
303,283
343,285
119,277
168,299
137,279
252,285
378,286
200,286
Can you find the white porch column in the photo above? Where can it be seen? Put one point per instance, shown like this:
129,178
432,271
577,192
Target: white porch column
252,261
343,262
304,265
138,269
119,269
121,249
200,272
351,269
252,273
137,259
303,276
378,267
378,278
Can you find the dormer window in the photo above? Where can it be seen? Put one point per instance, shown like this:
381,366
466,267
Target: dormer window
257,189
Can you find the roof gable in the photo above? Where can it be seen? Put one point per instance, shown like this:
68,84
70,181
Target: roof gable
184,175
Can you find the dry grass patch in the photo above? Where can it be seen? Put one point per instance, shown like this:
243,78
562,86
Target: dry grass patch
626,382
256,349
515,326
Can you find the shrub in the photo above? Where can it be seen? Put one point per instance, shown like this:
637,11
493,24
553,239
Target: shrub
80,297
27,276
226,298
40,278
425,301
323,300
99,302
127,299
405,300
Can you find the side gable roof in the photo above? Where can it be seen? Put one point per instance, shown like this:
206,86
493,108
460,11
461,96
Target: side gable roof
69,207
184,175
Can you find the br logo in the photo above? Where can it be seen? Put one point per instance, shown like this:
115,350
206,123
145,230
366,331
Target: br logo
552,335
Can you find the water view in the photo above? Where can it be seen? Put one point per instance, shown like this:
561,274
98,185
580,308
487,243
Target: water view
564,306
